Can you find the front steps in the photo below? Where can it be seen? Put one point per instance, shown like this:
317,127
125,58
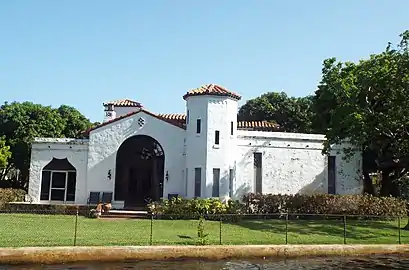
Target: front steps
125,214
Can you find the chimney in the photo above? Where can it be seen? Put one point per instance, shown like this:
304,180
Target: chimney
110,113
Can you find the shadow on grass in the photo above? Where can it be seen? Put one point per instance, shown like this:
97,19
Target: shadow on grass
359,230
184,237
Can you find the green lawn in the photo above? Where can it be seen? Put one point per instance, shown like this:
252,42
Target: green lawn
58,230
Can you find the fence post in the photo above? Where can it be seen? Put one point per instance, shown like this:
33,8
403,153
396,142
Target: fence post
75,228
399,231
151,232
220,230
345,229
286,228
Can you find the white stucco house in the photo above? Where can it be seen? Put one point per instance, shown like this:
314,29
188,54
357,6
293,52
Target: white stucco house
137,154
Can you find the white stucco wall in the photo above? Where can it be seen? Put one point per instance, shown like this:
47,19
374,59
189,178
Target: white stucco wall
292,163
44,150
105,141
215,113
221,112
196,144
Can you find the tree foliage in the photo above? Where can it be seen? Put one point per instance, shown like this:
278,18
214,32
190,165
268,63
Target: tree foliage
74,121
20,123
367,103
292,114
4,154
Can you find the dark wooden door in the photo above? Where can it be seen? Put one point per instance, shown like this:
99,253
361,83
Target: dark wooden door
139,187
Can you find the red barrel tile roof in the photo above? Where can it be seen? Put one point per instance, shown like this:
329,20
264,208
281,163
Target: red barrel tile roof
259,125
211,89
249,125
123,103
179,120
173,116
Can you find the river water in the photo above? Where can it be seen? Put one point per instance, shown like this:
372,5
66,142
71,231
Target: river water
376,262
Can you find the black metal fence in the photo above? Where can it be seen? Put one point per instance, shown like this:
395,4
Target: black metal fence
50,228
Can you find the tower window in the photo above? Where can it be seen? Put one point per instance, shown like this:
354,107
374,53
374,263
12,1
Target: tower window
198,182
187,117
198,126
332,175
231,128
231,182
216,137
216,183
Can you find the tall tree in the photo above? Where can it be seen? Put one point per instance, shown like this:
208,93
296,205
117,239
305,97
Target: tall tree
74,121
367,103
20,123
292,114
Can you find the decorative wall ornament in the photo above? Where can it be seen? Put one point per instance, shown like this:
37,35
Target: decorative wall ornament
141,121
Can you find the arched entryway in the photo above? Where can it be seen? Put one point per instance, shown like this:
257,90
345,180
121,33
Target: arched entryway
140,165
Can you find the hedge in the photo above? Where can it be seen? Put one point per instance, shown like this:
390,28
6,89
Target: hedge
180,208
325,204
274,206
11,195
46,209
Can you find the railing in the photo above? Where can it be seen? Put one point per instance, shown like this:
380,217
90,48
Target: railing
50,228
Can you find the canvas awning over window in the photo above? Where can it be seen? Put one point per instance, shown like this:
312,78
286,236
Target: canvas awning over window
59,165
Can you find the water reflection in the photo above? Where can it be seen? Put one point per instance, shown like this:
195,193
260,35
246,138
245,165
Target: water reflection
383,262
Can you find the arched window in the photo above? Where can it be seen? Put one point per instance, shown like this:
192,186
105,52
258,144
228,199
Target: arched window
58,181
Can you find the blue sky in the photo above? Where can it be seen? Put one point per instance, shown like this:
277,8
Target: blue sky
83,53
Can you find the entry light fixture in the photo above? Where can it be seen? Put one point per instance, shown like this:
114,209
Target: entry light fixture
167,176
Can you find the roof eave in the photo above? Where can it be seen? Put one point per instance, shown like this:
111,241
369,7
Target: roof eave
172,122
235,97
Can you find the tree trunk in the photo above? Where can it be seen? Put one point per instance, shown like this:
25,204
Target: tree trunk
389,187
368,185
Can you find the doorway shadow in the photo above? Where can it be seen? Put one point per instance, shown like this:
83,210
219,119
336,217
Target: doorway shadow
139,173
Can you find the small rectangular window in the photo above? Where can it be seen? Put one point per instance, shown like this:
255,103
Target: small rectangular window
258,171
187,117
198,126
198,182
231,182
186,182
216,137
231,128
331,174
216,182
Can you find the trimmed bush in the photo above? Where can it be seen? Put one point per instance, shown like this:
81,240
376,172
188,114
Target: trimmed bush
180,208
46,209
11,195
324,204
276,206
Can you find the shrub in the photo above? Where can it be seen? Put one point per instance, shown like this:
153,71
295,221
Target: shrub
180,208
46,209
201,235
300,206
11,195
324,204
